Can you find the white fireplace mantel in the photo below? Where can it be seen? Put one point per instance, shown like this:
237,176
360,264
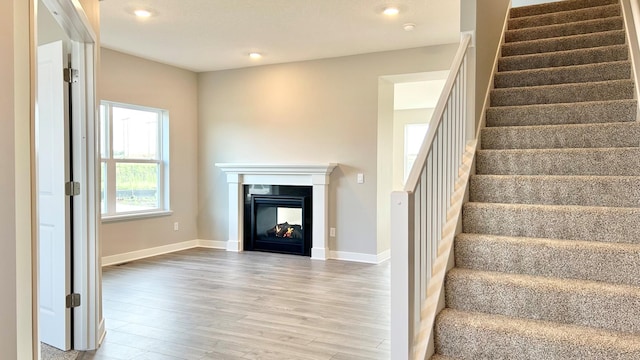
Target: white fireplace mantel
315,175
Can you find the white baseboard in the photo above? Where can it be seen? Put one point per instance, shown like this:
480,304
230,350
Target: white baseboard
384,256
224,245
212,244
160,250
351,256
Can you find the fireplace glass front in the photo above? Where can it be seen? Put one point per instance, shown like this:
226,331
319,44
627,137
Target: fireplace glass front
279,223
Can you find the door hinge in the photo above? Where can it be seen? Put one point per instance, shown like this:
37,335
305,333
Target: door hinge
72,188
73,300
70,75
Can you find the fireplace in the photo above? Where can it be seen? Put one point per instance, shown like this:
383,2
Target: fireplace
315,176
278,219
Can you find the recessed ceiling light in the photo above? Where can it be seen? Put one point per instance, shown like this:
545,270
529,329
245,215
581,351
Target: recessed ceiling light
390,11
255,55
409,26
142,13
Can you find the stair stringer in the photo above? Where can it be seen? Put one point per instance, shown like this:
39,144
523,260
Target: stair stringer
424,346
434,303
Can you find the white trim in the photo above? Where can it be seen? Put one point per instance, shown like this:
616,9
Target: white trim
223,245
212,244
161,250
233,245
384,256
277,169
135,216
145,253
87,277
352,256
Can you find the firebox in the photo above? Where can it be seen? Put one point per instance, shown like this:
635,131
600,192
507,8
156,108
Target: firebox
278,219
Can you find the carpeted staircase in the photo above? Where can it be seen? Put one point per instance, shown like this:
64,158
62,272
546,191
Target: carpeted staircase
548,264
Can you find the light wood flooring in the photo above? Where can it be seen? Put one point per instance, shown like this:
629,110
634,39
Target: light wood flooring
213,304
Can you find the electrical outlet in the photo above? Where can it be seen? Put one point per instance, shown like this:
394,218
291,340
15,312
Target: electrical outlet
360,178
176,226
332,232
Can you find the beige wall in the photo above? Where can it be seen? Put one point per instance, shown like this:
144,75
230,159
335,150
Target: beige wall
8,303
490,18
129,79
315,111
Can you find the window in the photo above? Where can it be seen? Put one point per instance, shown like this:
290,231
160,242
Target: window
134,160
413,137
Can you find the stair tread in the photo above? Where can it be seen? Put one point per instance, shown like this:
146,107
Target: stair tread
563,43
592,112
551,7
565,340
590,55
594,12
566,29
621,134
570,74
555,208
571,85
625,125
567,52
582,302
607,191
569,222
563,150
579,259
550,242
586,287
563,93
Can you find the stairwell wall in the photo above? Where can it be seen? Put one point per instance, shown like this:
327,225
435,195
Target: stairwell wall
487,19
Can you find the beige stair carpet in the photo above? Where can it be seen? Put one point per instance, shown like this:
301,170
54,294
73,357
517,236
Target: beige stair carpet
548,264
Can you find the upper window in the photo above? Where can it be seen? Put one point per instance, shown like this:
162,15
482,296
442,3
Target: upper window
135,161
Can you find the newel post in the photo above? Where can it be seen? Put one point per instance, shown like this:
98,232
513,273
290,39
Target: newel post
402,276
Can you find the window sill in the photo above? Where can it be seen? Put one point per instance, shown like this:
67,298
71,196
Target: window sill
137,216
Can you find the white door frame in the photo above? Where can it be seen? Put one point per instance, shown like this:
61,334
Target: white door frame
88,320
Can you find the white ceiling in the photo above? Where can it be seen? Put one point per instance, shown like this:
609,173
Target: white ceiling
206,35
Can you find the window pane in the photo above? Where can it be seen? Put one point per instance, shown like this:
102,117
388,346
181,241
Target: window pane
104,120
136,187
103,186
135,134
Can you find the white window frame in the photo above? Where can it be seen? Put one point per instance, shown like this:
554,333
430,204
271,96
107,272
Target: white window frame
163,208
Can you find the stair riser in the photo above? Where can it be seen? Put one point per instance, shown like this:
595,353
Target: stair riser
564,58
599,307
557,114
609,38
551,7
554,190
565,93
612,263
616,225
565,17
555,137
564,75
546,32
612,162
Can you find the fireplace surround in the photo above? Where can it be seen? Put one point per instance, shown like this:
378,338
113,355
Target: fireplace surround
317,176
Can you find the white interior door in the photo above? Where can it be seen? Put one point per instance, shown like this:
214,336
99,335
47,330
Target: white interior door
53,204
